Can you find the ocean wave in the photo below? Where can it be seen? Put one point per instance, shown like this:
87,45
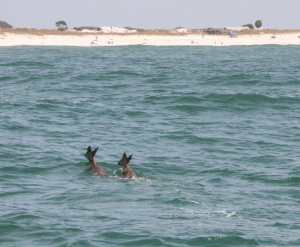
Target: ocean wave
286,181
188,108
27,64
290,181
6,78
252,98
222,241
189,99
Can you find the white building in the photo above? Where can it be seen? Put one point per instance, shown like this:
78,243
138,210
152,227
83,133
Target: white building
115,29
237,28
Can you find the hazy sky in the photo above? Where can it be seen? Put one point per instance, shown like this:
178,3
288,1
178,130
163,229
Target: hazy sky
166,14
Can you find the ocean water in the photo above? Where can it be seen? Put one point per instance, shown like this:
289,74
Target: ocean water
214,133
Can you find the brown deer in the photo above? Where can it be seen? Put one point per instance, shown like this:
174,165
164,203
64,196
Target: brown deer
126,172
94,169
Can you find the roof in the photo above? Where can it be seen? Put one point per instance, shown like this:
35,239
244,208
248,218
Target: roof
237,28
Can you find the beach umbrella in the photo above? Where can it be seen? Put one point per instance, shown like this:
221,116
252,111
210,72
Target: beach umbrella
233,33
111,39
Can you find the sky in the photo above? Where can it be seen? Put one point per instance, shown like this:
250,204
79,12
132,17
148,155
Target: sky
151,14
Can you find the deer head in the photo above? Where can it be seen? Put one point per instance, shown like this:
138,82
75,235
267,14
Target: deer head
91,154
125,161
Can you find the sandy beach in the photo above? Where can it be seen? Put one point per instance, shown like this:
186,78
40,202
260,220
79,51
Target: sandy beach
94,39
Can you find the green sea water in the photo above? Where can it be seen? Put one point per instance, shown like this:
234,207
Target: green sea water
214,133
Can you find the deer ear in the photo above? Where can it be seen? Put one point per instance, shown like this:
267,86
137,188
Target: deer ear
129,158
124,155
89,149
95,151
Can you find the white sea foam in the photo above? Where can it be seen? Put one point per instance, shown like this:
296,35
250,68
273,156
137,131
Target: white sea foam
228,214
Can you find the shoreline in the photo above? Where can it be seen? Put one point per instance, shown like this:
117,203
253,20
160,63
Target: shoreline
13,39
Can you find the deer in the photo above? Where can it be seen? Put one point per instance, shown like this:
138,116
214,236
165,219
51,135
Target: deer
126,172
94,169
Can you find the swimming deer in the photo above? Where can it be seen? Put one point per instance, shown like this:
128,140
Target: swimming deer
95,169
126,172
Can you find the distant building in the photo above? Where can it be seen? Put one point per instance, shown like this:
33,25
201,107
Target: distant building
181,30
237,28
112,29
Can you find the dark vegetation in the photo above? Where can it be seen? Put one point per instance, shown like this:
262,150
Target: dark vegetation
248,25
4,24
38,32
258,23
87,28
61,25
138,30
211,30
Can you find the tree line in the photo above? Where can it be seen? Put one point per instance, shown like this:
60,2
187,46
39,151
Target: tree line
61,25
258,24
